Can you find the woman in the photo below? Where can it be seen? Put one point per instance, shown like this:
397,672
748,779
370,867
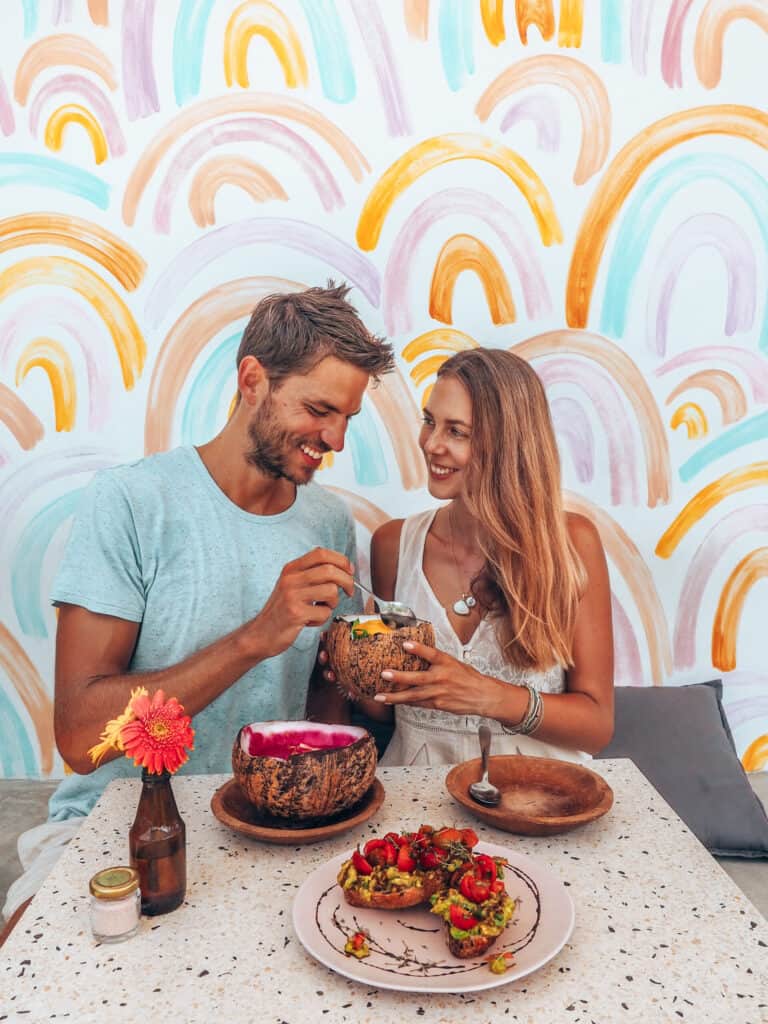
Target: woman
516,588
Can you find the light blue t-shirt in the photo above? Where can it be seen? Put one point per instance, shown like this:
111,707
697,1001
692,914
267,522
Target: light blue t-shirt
158,542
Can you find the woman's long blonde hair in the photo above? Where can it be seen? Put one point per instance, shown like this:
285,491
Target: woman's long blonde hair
532,579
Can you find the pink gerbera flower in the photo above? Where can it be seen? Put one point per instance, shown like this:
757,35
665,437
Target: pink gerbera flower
159,733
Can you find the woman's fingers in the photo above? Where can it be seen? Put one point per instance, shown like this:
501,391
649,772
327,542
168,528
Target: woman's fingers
415,695
430,654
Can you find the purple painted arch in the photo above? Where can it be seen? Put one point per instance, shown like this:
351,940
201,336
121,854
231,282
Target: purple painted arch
464,201
572,424
710,230
610,406
244,129
274,231
98,103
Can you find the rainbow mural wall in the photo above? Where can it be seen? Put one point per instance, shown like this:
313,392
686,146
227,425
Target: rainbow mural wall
582,181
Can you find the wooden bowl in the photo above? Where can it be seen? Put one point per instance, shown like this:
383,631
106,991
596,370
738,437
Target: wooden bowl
540,796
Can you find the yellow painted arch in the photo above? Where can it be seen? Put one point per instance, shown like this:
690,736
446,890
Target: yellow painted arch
229,169
73,113
440,338
729,608
571,23
622,174
755,756
441,149
576,78
465,252
731,483
713,23
692,417
51,357
259,17
92,240
65,273
492,15
56,50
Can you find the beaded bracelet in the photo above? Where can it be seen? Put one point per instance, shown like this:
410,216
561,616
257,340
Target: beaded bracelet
534,713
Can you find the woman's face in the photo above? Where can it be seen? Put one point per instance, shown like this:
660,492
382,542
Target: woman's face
445,437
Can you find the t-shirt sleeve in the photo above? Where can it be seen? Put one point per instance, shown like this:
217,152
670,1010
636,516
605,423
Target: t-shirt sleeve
350,605
101,567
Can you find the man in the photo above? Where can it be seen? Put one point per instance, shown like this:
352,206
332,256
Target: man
209,572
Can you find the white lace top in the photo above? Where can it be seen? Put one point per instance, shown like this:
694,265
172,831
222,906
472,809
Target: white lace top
428,736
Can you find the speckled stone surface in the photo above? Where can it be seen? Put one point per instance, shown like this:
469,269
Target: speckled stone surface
662,933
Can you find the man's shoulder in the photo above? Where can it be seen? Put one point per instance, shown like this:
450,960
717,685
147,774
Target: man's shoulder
321,501
147,475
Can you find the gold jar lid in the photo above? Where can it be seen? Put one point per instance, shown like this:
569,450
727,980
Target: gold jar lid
114,883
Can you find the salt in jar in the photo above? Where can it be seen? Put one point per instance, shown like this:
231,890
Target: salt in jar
115,904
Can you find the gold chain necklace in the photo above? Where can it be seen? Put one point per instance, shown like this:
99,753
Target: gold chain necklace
464,604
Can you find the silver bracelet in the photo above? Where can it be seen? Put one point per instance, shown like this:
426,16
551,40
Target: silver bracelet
532,717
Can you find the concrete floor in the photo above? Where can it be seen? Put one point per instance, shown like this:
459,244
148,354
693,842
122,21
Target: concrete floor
24,804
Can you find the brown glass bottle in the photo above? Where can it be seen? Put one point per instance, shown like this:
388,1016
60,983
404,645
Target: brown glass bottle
158,846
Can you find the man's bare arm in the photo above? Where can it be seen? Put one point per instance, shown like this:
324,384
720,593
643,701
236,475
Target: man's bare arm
93,653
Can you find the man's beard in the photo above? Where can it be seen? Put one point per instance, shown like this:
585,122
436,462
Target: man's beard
272,446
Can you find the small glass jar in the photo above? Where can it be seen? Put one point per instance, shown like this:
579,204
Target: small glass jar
115,904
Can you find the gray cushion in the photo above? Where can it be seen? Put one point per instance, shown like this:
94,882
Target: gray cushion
678,737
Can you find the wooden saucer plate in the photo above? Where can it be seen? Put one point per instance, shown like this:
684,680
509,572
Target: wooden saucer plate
540,796
230,806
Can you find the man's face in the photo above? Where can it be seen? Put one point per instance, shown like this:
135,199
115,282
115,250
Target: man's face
304,417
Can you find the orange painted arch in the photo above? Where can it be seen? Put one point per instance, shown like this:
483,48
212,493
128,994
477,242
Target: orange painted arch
416,14
19,419
236,103
229,169
729,608
754,475
538,13
466,252
576,78
259,17
92,240
622,174
713,23
27,682
723,385
441,149
57,50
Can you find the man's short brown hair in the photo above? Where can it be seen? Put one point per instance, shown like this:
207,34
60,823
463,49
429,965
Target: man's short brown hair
291,333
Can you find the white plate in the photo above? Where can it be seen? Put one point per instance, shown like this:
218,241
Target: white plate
408,947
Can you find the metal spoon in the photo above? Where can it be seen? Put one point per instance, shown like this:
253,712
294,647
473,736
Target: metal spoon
484,791
392,613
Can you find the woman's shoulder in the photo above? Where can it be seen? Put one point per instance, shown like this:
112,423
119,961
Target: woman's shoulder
388,534
582,532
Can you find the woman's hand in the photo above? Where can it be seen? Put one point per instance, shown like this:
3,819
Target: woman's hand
447,685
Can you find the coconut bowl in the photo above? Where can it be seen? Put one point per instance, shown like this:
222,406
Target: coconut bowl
358,661
303,771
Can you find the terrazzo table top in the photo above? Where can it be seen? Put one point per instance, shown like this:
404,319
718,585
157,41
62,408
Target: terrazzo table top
661,933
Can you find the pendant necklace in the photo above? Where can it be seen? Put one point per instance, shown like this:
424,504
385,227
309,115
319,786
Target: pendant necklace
464,604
